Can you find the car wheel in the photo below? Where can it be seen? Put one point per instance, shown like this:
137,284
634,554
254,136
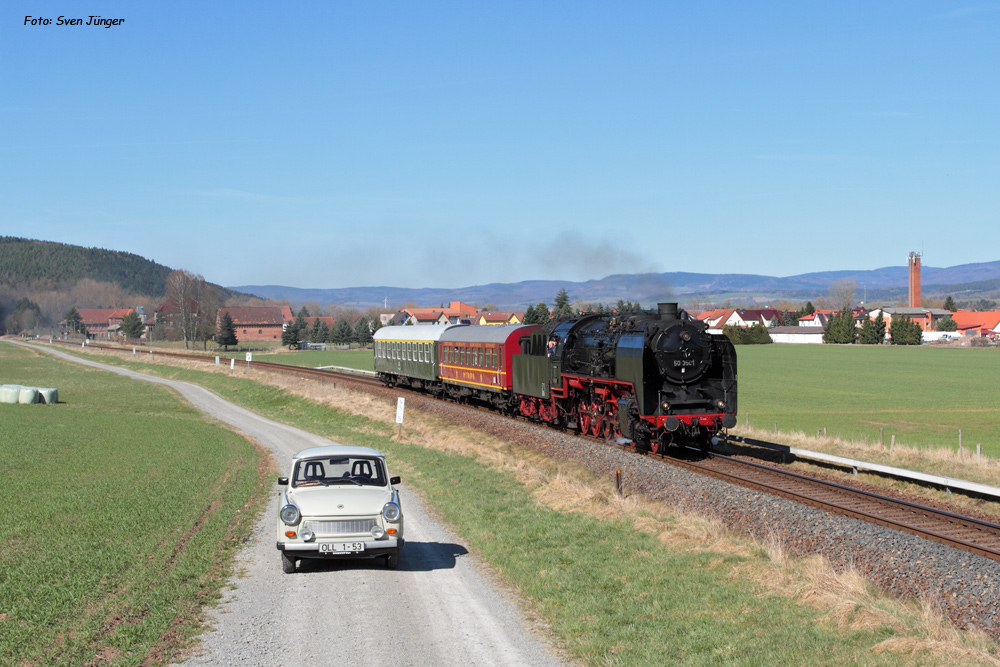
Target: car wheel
287,563
392,561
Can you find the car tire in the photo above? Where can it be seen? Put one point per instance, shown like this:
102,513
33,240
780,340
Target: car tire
392,561
287,563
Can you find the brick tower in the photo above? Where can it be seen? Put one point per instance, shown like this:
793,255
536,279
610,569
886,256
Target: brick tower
914,264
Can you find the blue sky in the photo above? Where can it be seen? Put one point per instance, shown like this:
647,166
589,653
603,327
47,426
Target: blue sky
443,144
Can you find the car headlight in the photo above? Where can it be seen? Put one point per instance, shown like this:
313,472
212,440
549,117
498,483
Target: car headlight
378,532
290,514
307,535
391,512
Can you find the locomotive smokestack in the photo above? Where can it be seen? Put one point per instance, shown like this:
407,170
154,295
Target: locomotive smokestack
668,311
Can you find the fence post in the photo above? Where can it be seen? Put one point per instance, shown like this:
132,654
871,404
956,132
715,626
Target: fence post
881,437
892,443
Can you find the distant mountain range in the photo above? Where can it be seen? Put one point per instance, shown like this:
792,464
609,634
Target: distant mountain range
965,281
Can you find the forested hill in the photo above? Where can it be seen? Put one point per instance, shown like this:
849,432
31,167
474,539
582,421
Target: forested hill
26,261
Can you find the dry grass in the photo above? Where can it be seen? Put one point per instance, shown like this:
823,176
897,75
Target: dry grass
847,599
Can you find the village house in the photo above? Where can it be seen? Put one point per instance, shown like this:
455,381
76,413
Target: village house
497,318
984,323
926,318
103,323
257,322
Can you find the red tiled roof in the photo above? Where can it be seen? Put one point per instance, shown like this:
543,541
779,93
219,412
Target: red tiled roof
89,316
987,319
259,315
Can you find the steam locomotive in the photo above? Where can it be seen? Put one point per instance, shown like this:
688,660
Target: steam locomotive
656,379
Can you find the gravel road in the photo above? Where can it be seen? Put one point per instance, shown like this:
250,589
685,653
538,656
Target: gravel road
439,608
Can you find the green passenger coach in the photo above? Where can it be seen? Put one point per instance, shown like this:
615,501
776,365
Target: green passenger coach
408,355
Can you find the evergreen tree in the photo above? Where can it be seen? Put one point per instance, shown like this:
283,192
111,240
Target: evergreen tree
363,332
342,333
809,309
529,315
949,304
868,334
757,335
563,308
840,329
542,315
132,326
904,331
73,320
227,332
947,324
316,334
290,335
880,327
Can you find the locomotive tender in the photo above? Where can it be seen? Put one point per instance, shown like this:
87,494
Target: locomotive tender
654,378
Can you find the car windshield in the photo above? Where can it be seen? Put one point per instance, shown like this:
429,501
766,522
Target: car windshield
347,470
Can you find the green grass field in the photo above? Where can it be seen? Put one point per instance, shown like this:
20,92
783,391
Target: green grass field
923,395
119,509
359,359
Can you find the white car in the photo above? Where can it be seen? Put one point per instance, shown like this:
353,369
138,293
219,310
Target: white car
339,502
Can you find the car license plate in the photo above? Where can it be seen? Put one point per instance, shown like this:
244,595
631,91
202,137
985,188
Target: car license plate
341,547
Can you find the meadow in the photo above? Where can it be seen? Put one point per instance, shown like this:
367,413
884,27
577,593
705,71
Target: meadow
922,395
122,516
617,580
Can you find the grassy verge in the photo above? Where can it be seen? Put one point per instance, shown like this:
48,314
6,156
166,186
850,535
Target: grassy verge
122,516
619,581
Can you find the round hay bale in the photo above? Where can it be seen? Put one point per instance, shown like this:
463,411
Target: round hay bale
9,393
48,395
27,395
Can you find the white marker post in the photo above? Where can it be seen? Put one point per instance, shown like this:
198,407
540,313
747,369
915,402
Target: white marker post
249,359
400,403
232,364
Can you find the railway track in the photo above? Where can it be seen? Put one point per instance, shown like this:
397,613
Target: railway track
960,532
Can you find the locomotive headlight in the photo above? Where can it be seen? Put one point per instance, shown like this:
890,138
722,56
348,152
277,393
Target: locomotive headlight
720,404
685,336
665,405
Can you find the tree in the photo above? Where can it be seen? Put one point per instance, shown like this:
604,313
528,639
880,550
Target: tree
316,333
73,320
563,308
208,309
132,326
363,331
343,332
867,335
529,315
947,324
542,315
809,309
840,329
949,304
290,335
880,327
904,331
26,316
185,303
842,295
227,332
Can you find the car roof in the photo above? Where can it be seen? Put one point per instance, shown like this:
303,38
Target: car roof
336,450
